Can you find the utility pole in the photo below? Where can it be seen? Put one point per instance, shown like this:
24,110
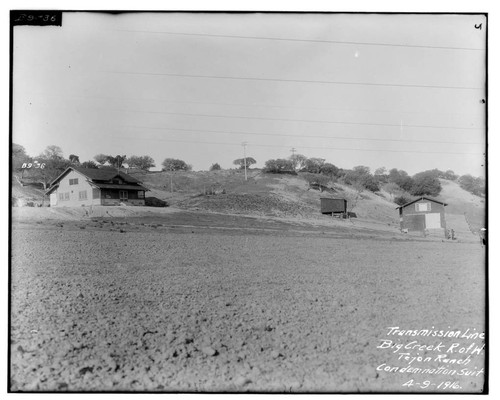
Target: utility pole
293,158
171,173
244,144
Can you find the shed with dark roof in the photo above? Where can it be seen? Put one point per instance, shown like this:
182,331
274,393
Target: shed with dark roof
333,206
90,186
422,214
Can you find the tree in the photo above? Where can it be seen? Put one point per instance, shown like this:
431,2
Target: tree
380,175
52,152
141,162
298,160
380,171
215,167
19,156
401,178
473,185
173,164
18,150
425,183
89,164
329,169
392,188
279,165
450,175
101,158
316,180
74,159
54,164
117,161
241,162
361,177
401,200
313,165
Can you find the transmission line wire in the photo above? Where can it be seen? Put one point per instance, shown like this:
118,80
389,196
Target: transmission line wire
304,40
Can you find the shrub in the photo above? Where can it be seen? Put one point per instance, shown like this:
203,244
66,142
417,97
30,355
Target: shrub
173,164
155,202
317,181
279,165
313,165
473,185
360,176
215,167
425,183
400,200
330,170
400,178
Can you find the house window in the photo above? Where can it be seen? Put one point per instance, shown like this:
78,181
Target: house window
73,181
117,181
82,195
61,196
66,196
140,194
123,195
423,207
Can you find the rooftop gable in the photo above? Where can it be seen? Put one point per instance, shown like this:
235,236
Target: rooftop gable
422,198
105,174
100,174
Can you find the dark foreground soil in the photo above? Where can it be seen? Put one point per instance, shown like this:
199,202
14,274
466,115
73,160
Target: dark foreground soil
99,305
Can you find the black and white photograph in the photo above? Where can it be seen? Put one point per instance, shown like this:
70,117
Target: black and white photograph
248,202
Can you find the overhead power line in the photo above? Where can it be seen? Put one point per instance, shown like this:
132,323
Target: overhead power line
246,78
399,112
296,120
305,40
304,147
296,136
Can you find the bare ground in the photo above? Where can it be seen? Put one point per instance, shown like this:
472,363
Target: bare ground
201,302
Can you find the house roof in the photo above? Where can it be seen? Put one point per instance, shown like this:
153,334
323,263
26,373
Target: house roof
422,198
104,174
95,174
118,186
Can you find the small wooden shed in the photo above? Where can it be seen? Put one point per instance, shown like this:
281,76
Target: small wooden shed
422,214
333,206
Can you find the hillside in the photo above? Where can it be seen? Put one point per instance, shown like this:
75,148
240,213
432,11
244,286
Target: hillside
290,196
275,195
263,194
28,193
461,202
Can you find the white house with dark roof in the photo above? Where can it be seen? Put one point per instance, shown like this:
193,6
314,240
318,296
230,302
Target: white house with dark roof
89,186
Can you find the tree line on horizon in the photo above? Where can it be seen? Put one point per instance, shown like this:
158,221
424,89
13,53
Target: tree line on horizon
398,183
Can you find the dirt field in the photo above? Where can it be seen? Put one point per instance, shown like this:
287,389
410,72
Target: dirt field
233,304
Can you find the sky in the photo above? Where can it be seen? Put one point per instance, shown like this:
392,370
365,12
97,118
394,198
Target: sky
395,91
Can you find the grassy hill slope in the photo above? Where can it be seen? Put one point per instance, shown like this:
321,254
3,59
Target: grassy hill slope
262,194
276,195
23,194
460,202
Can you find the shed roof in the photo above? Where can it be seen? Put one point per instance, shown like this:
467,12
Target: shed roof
421,198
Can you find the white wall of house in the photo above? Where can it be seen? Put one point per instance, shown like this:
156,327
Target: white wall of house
53,199
74,190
